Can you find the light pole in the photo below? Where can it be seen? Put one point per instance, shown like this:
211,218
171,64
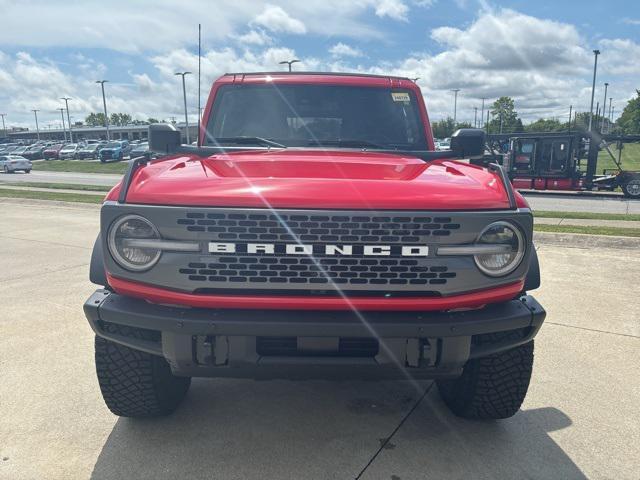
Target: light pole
35,112
4,129
289,62
610,100
64,129
475,117
184,95
593,86
66,102
455,105
104,104
604,106
482,113
570,109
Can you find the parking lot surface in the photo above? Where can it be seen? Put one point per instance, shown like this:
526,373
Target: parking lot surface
581,418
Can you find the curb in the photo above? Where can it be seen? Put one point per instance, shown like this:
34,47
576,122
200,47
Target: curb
582,240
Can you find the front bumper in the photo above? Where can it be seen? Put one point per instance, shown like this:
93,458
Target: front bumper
226,343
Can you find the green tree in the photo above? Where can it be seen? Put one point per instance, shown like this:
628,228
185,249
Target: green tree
505,118
443,128
546,125
95,120
629,121
120,119
152,120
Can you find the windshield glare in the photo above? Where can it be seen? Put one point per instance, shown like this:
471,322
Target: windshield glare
113,145
318,115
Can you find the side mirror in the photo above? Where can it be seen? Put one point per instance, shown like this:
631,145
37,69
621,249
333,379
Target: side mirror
468,143
164,138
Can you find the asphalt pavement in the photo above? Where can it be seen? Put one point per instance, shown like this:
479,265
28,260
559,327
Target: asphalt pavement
581,418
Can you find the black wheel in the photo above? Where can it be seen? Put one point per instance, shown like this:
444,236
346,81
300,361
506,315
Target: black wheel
490,387
27,171
631,188
102,160
6,170
135,383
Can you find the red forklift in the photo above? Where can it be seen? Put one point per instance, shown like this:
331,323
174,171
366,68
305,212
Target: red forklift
562,161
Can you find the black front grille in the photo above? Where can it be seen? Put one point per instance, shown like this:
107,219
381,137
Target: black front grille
318,228
264,269
288,347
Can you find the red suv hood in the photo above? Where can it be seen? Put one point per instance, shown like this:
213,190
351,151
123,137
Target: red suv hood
317,179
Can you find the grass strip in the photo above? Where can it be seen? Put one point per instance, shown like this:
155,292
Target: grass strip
59,186
57,196
615,231
587,215
80,166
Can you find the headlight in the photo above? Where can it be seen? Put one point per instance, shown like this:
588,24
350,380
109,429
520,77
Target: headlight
500,264
124,234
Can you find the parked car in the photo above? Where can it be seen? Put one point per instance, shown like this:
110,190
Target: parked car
141,150
69,151
13,163
52,152
19,150
34,152
115,150
90,151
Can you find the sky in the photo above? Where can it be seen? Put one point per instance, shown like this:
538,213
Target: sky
538,52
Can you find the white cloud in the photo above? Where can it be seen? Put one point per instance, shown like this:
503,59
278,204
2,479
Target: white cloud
274,18
395,9
255,37
631,21
343,50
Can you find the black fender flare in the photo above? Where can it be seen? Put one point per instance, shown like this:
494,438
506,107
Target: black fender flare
532,280
97,272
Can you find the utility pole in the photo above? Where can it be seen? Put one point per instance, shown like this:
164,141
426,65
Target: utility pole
289,62
500,122
66,102
35,112
570,108
604,106
104,104
4,128
64,129
475,117
487,123
482,114
455,105
184,94
593,86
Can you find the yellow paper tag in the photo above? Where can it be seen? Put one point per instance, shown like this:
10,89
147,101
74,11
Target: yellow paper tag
400,96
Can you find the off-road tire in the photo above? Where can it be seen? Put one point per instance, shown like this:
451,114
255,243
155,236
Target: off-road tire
631,188
490,387
135,383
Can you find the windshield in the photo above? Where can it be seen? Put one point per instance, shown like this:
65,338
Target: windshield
317,115
72,146
113,145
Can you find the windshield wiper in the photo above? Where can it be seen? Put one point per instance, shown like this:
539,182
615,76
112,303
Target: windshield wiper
349,143
243,140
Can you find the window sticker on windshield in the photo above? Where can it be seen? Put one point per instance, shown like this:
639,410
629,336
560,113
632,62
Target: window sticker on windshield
400,96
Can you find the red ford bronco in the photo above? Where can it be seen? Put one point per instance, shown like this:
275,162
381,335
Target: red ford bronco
314,232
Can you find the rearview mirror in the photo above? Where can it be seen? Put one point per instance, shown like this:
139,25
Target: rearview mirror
468,143
164,138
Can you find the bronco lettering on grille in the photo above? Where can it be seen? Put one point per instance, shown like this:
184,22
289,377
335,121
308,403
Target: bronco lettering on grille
322,250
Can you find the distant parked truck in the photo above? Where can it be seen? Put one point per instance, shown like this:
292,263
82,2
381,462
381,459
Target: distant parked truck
116,150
